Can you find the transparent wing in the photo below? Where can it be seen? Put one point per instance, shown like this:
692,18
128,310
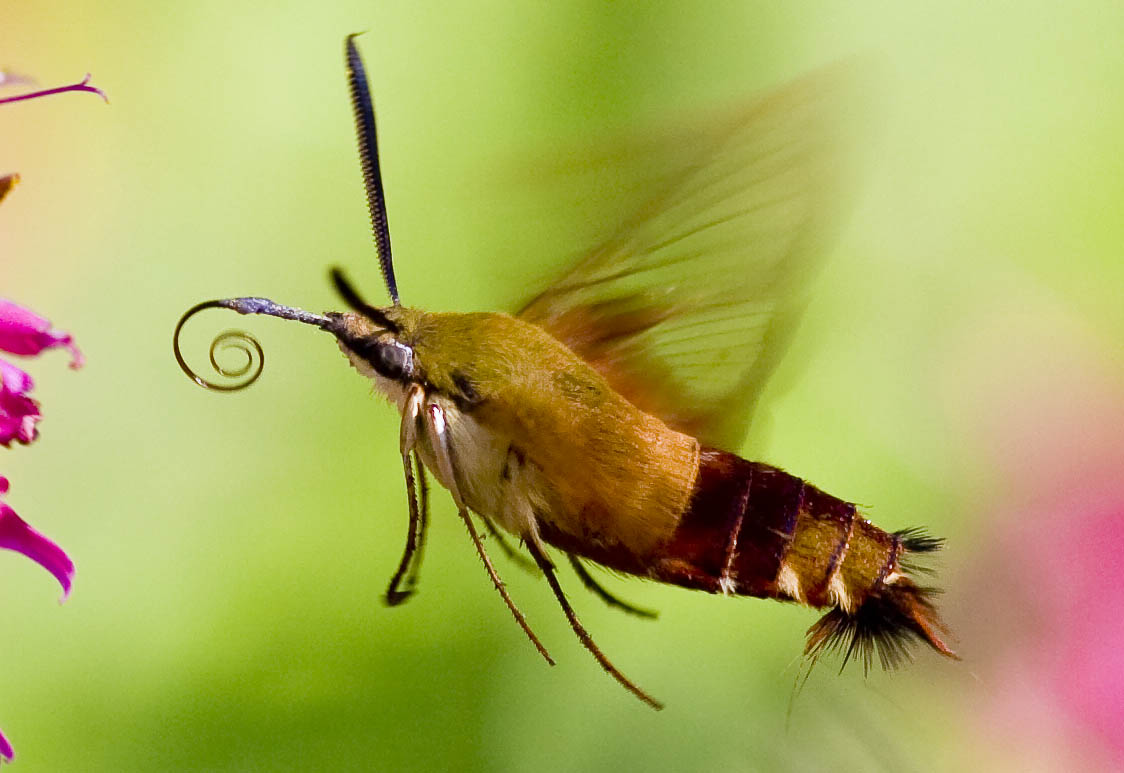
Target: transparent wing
686,308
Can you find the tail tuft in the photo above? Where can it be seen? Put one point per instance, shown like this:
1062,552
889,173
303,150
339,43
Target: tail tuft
886,625
889,621
917,540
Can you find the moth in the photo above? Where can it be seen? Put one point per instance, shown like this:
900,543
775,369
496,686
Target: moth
598,422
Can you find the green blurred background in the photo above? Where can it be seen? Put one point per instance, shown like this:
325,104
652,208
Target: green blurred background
960,367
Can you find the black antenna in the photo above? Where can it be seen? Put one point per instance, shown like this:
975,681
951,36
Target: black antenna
364,111
353,299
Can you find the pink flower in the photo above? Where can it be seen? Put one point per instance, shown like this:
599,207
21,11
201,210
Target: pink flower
1044,611
26,333
18,412
17,535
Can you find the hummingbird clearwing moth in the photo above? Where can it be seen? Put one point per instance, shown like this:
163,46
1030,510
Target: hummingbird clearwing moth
599,421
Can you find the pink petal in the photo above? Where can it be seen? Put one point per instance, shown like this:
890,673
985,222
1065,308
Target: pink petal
17,535
6,752
18,412
24,332
14,379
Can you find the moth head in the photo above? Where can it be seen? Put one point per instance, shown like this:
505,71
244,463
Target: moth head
376,350
376,340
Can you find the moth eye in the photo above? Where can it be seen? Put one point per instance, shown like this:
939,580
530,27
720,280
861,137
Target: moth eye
390,359
397,359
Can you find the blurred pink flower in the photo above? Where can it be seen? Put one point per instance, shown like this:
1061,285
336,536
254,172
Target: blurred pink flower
1046,621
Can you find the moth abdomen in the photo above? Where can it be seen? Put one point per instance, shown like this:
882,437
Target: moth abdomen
751,529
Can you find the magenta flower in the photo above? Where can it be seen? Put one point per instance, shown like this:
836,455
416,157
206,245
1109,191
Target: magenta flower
17,535
24,333
18,412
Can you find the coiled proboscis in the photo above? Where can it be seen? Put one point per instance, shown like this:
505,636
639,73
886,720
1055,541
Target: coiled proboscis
237,340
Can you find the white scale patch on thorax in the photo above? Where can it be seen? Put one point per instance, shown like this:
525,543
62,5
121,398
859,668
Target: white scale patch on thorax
494,480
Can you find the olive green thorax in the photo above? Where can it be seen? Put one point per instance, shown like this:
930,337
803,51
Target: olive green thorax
482,357
614,472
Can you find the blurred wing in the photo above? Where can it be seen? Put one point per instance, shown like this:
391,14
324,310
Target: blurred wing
687,307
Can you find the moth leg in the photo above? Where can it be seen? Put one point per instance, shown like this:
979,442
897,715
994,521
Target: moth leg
407,441
518,558
583,635
606,596
439,443
423,523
